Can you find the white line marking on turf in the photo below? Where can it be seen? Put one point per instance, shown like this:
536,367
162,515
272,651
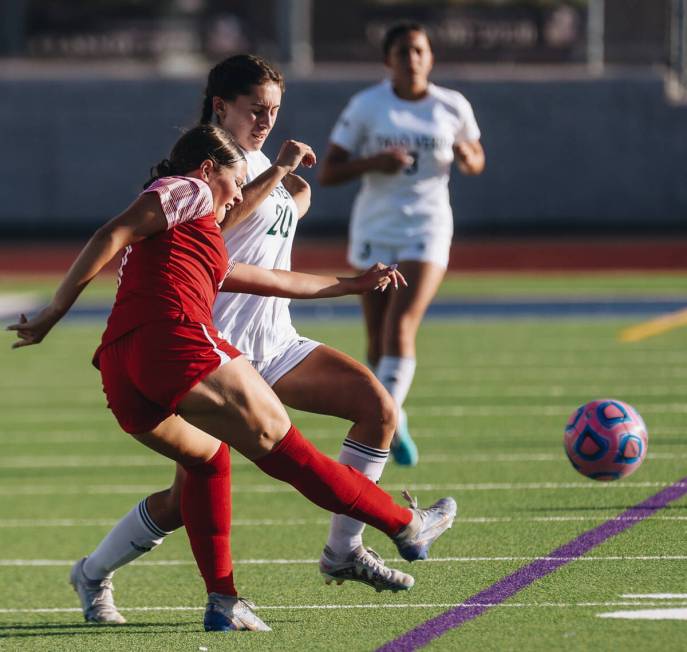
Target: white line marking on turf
494,410
112,461
647,614
655,596
59,490
97,522
422,605
283,562
473,520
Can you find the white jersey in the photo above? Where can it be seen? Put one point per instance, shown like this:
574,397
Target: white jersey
259,326
393,209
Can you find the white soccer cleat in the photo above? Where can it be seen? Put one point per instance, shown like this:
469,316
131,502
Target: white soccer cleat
96,597
363,565
227,613
427,525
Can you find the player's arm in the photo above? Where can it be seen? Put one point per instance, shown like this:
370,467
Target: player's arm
469,156
299,189
339,166
141,220
251,279
291,155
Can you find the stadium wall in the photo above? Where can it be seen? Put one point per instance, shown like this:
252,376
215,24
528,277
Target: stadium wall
582,155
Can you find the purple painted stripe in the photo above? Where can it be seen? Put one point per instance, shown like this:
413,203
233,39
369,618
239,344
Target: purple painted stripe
522,578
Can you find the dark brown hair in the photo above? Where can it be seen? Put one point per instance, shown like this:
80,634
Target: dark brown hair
397,31
235,76
195,146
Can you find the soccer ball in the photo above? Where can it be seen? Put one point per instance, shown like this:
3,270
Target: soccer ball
606,439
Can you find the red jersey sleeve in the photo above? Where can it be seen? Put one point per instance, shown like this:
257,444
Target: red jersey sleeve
182,199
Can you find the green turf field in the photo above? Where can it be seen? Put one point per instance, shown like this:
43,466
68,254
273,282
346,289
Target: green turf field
487,409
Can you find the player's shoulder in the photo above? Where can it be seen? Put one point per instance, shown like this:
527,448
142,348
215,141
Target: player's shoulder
449,97
257,163
177,184
371,96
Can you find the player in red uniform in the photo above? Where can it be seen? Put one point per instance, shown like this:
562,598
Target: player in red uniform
243,95
180,389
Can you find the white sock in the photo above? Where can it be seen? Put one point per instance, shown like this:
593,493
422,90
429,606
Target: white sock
132,537
345,533
396,374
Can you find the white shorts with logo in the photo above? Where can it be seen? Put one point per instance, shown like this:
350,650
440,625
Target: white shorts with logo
428,249
289,356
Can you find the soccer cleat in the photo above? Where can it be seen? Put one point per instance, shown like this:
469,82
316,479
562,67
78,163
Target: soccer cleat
403,447
363,565
227,613
96,597
416,538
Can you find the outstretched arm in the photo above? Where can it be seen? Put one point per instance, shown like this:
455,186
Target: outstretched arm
141,220
251,279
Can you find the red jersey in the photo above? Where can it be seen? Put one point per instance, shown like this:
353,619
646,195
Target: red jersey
175,274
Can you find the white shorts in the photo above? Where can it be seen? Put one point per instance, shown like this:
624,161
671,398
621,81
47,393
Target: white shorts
428,249
292,354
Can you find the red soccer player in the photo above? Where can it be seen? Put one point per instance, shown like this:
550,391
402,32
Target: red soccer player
176,386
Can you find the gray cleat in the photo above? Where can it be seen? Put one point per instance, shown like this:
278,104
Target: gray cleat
415,539
227,613
96,597
363,565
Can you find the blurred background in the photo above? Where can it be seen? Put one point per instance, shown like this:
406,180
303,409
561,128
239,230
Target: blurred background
581,103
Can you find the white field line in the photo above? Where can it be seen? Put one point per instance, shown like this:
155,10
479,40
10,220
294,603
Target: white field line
313,607
538,391
647,614
655,596
53,563
61,490
115,461
490,411
498,410
600,372
469,520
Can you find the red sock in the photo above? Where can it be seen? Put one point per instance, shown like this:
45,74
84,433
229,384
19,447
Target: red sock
331,485
206,512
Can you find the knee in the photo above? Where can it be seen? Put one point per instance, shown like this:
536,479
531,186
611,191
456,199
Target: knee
378,416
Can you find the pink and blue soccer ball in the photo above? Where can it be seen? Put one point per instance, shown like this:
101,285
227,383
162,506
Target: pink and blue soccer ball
606,439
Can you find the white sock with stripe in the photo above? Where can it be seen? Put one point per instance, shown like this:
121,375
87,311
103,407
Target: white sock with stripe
133,536
345,533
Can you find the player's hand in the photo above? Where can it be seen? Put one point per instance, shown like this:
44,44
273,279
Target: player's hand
469,157
379,277
392,160
32,331
294,153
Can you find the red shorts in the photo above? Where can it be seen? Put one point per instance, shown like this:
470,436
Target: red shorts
149,370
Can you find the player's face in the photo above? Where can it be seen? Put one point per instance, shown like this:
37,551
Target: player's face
250,118
410,58
226,183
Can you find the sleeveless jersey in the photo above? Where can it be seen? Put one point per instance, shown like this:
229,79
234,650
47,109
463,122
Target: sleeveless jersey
260,326
393,209
175,274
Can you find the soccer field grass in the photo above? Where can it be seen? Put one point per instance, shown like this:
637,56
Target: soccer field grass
487,410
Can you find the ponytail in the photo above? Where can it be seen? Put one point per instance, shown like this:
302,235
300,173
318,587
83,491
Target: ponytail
163,169
206,114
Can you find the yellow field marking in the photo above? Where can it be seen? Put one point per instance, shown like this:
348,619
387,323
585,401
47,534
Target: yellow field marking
653,327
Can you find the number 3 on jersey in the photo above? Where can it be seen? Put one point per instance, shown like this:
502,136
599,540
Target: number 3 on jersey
282,224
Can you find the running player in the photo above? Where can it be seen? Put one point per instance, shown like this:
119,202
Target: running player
401,137
170,377
243,96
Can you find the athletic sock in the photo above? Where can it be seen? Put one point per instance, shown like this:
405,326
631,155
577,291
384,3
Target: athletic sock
131,537
396,374
333,486
345,533
206,511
